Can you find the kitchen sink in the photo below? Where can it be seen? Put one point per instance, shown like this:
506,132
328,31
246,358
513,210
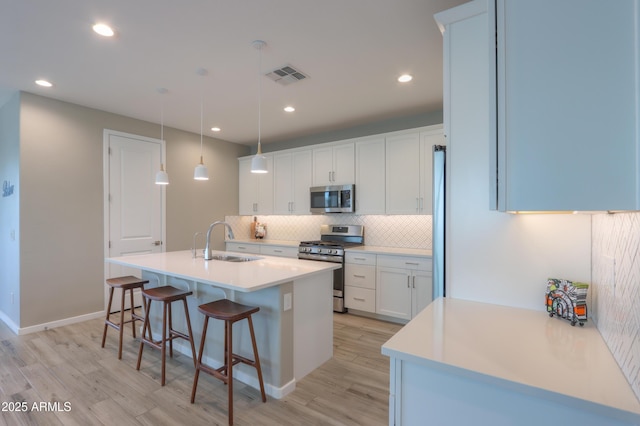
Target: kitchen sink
230,258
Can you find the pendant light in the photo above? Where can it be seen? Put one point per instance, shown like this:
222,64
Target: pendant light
201,172
162,178
259,161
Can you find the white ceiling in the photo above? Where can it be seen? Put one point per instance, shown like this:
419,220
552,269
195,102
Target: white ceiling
352,51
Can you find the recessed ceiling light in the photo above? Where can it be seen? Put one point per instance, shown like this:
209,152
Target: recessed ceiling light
43,83
215,129
404,78
103,30
289,109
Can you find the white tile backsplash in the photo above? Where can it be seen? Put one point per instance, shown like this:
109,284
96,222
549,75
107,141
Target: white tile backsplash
384,231
615,291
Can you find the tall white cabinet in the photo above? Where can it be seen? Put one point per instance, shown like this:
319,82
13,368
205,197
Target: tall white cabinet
567,105
291,182
370,175
333,165
409,169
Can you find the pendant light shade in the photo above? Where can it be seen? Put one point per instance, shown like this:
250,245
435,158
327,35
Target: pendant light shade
162,178
259,164
201,172
259,161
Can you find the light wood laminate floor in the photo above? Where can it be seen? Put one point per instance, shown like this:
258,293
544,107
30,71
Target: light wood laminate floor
84,384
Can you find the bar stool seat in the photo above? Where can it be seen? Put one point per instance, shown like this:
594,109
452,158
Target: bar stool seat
167,295
126,283
229,312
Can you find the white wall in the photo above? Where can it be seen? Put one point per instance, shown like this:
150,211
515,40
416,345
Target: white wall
496,257
10,211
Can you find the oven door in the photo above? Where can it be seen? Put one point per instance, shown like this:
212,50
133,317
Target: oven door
338,290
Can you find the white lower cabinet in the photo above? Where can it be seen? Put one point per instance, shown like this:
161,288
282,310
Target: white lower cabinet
243,248
261,248
280,251
360,281
403,285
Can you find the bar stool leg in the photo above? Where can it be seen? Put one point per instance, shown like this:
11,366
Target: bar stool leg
257,359
104,334
146,327
121,328
193,347
199,362
163,349
133,314
229,362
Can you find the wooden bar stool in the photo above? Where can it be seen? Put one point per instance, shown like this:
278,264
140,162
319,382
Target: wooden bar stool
229,312
167,295
129,283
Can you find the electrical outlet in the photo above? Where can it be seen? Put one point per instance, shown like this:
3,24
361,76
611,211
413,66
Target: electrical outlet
287,301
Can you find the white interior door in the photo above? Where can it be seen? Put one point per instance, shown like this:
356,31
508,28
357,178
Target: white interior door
134,204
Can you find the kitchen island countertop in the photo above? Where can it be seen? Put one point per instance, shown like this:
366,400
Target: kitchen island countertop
264,272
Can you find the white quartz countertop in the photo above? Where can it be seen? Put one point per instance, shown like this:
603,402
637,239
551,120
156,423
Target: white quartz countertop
515,347
265,272
400,251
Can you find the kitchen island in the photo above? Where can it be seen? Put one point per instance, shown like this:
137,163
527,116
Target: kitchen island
294,327
463,362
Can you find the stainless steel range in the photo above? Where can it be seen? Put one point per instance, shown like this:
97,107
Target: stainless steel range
330,248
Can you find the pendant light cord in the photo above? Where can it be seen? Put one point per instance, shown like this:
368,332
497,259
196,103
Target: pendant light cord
259,97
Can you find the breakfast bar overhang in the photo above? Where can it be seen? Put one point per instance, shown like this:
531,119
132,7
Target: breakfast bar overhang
294,327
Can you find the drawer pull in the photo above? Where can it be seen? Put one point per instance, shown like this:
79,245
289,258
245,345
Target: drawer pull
412,263
359,276
359,258
358,299
277,251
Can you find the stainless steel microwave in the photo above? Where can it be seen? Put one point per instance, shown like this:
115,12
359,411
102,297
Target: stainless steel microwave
333,199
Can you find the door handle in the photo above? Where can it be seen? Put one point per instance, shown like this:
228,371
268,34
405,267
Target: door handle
156,243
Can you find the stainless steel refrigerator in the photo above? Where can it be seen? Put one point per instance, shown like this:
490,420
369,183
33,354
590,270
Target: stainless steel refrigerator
438,221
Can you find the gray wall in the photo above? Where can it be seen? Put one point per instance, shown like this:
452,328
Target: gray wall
10,210
384,126
61,207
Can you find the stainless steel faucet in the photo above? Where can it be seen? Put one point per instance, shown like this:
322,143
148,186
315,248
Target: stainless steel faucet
207,250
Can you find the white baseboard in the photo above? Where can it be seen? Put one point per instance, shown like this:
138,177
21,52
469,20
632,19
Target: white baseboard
5,319
55,324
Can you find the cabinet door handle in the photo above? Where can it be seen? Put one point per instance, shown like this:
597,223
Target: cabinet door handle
333,176
329,176
421,203
359,299
414,281
408,281
417,204
293,206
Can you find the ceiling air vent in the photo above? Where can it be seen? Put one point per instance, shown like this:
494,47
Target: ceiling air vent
286,75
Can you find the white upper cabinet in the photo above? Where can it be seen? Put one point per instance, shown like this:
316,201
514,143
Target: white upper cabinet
409,171
567,105
370,175
292,180
255,189
334,165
